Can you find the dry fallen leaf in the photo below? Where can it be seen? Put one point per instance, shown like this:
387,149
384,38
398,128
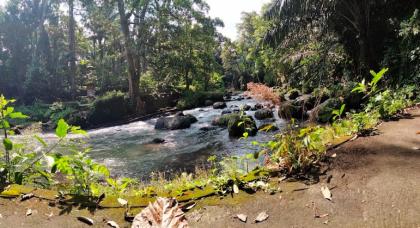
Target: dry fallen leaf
334,155
86,220
26,196
188,206
163,212
261,217
235,189
321,216
242,217
418,133
326,193
113,224
123,202
28,212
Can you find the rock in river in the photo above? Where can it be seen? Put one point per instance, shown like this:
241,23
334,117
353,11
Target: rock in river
219,105
158,141
263,114
238,125
175,123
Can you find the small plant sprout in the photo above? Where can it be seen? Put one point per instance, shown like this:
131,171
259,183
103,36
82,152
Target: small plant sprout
337,113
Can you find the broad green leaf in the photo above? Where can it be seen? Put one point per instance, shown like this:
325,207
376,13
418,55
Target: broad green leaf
62,129
18,115
8,145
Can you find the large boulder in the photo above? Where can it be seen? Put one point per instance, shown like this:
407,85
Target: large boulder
219,105
191,118
307,101
175,123
222,121
293,94
288,110
263,114
323,112
238,125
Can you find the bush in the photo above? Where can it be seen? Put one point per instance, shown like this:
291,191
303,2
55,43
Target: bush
193,99
112,106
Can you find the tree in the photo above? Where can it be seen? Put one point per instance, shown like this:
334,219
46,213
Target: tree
72,49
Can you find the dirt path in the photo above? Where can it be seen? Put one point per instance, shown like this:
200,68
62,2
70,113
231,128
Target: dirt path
375,183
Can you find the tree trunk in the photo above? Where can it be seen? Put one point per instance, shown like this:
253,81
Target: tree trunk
72,50
133,71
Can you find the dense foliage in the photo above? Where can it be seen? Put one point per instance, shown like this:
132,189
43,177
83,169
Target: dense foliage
70,48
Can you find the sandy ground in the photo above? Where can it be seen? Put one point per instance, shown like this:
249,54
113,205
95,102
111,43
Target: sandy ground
375,182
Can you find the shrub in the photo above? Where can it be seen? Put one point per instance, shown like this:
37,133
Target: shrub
112,106
193,99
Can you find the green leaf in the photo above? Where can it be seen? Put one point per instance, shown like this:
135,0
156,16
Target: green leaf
39,139
8,145
5,124
342,109
77,131
18,115
62,129
377,76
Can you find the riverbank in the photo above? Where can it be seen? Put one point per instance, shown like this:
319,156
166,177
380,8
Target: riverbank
372,180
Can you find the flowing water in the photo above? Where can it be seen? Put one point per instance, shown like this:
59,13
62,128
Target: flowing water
127,149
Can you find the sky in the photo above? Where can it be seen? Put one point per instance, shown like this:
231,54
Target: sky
230,12
227,10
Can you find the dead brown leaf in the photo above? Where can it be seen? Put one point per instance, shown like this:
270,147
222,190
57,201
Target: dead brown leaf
261,217
163,212
326,193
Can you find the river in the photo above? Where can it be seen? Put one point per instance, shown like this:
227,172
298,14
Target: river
127,149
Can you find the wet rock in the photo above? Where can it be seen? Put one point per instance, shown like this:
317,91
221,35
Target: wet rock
17,130
257,106
288,110
227,111
175,123
293,94
307,101
158,141
222,121
323,112
246,107
263,114
179,114
219,105
191,118
208,103
238,125
210,128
